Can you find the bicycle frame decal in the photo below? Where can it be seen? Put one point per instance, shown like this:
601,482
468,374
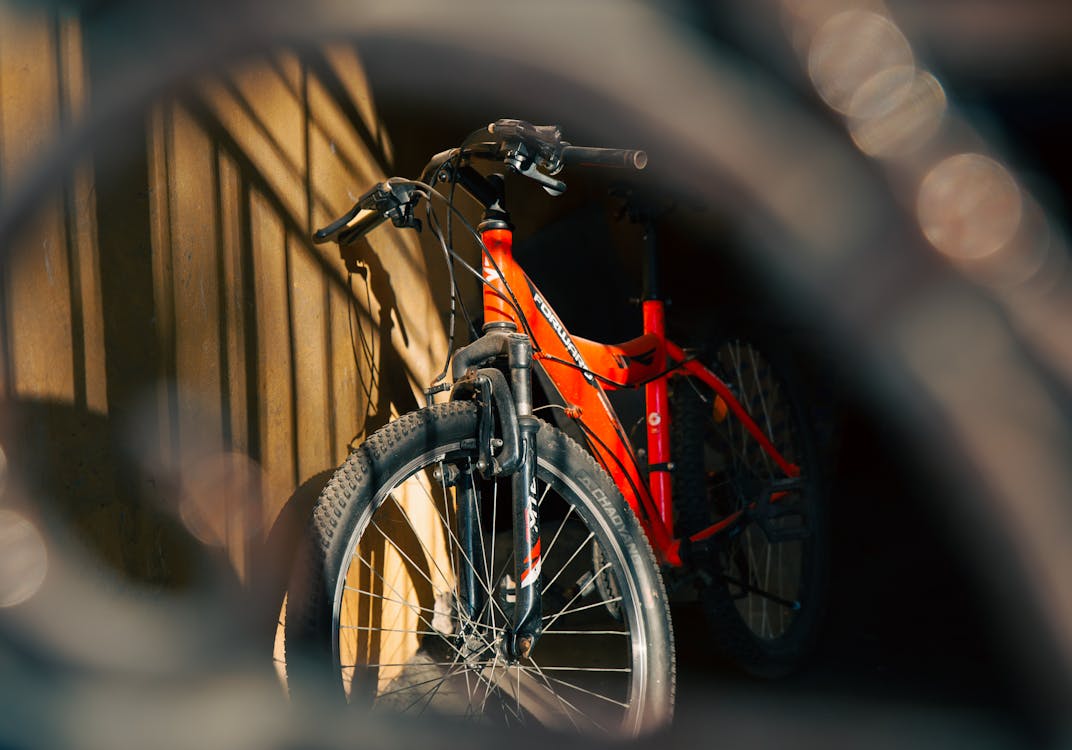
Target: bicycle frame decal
532,562
560,330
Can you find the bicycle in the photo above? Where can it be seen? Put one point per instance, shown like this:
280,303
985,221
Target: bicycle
435,524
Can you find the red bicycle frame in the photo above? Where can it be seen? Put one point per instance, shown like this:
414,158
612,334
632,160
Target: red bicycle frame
581,371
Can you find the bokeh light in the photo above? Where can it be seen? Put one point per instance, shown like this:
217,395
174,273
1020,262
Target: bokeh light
803,18
896,112
23,558
1026,261
220,500
969,206
849,50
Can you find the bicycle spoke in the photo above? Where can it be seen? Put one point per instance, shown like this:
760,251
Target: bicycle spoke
490,684
404,688
417,609
400,664
763,405
494,526
487,692
487,582
558,532
564,703
558,696
750,575
546,489
562,569
554,619
414,565
452,594
602,603
735,357
461,552
431,694
580,689
374,629
767,571
489,587
374,595
414,607
431,697
545,668
446,526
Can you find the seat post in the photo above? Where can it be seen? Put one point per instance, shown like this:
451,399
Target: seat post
656,395
650,286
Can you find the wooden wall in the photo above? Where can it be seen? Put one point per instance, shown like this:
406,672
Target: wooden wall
179,365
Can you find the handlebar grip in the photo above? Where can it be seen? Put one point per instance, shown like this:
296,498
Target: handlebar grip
341,230
622,158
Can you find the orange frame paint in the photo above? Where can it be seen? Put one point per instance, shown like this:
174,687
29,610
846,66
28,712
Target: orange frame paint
581,370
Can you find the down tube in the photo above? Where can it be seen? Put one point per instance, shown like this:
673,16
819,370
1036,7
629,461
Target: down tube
556,353
612,448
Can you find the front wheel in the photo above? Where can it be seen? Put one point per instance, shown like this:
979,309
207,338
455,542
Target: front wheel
765,583
380,604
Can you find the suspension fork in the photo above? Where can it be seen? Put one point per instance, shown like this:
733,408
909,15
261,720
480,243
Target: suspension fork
512,455
518,425
468,538
528,606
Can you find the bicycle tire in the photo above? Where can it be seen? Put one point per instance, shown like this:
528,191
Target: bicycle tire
365,528
763,598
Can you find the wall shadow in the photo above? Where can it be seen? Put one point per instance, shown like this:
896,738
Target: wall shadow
180,317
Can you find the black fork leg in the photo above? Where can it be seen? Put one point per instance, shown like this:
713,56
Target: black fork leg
471,547
528,609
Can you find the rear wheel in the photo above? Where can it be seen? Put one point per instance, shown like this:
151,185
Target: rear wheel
763,590
379,610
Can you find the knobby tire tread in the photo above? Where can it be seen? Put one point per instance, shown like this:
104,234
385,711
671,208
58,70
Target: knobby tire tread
355,483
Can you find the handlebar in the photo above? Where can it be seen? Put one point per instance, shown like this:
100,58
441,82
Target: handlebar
622,158
533,151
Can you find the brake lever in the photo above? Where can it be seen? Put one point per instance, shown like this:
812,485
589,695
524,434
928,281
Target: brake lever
395,201
550,184
527,168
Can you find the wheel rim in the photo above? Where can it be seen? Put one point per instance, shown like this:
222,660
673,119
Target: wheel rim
764,578
402,643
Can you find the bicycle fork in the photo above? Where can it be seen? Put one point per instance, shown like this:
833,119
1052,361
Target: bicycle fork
509,451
